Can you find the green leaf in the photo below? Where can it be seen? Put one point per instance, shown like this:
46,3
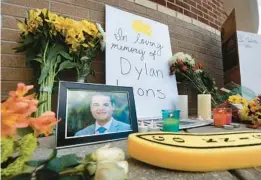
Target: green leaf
53,154
66,55
72,177
36,163
23,176
66,65
28,39
23,131
47,174
54,51
20,49
92,73
38,60
58,60
60,163
44,73
41,103
84,58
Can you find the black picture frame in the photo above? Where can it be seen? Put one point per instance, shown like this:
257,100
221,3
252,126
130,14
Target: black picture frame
63,141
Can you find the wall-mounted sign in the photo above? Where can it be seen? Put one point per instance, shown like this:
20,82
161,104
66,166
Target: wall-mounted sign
137,53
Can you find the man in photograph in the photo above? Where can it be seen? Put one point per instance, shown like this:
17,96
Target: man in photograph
102,109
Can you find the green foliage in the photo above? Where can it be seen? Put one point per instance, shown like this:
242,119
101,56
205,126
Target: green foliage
7,148
44,174
66,65
23,176
37,163
83,60
24,147
61,163
73,177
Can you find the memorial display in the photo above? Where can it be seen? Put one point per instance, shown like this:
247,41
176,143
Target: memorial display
140,95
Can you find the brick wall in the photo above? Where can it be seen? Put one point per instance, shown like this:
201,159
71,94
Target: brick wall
210,12
187,35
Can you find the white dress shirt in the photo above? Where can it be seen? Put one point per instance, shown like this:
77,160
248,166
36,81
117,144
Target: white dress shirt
107,126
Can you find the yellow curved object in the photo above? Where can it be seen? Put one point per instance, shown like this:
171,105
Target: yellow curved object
197,152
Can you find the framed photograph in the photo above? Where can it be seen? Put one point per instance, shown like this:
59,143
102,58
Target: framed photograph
94,113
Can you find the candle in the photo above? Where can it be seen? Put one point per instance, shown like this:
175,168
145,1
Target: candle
183,106
153,127
142,128
204,106
222,116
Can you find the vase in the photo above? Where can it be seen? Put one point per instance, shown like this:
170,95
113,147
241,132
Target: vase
81,79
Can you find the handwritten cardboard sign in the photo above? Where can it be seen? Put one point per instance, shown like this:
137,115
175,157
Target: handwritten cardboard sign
249,52
137,53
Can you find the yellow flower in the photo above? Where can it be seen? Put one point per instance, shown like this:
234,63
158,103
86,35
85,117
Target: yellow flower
51,17
235,99
62,24
243,113
44,11
34,15
244,102
85,45
89,28
22,28
91,44
34,20
32,26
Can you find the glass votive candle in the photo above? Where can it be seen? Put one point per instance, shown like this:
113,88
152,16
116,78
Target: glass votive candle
229,115
171,123
222,116
166,113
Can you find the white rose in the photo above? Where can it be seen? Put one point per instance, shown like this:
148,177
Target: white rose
198,71
189,60
103,40
109,154
179,55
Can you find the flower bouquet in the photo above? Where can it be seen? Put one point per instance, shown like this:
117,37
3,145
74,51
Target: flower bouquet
19,133
245,111
186,69
19,130
53,43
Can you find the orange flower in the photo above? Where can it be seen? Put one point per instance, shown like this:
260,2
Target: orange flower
7,131
21,90
253,109
16,109
44,123
252,103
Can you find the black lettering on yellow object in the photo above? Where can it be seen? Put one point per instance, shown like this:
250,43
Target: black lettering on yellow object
227,140
257,136
243,138
158,138
179,140
210,140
